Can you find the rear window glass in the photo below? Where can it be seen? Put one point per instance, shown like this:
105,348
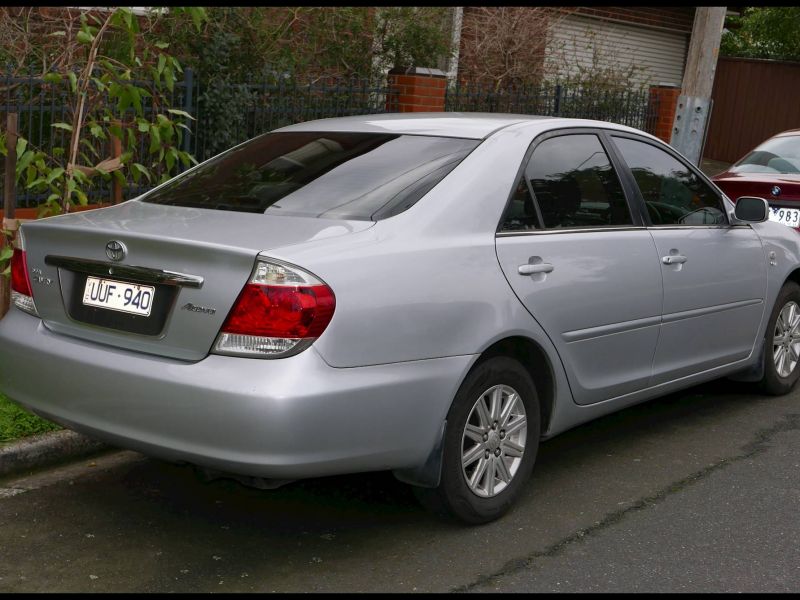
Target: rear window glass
363,176
777,155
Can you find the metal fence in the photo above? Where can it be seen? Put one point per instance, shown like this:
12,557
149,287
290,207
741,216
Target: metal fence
40,104
269,103
633,107
272,100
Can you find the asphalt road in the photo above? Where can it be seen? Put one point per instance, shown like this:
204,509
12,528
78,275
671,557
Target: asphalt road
698,491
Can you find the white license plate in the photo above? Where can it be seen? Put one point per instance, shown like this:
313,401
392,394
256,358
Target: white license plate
785,216
118,295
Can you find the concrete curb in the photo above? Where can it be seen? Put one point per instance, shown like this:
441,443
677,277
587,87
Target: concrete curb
46,449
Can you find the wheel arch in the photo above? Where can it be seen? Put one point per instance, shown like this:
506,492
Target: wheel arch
793,276
534,360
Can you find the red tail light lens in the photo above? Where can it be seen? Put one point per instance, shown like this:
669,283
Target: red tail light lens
284,312
21,294
280,311
19,273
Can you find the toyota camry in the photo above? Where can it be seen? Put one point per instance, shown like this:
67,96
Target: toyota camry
430,294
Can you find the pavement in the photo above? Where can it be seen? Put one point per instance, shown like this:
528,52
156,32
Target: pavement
697,491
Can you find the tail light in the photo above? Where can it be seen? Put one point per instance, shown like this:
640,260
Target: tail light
21,294
280,312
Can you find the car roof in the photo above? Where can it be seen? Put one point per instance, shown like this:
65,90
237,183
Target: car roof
448,124
787,133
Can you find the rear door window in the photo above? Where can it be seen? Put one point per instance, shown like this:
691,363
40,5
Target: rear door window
574,185
344,175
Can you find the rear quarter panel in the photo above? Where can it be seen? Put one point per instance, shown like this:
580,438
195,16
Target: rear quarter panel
425,283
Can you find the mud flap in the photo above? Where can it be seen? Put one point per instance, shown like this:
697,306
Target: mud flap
429,474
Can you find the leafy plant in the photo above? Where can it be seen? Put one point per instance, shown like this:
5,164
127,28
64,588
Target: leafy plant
224,102
5,255
309,42
111,94
763,32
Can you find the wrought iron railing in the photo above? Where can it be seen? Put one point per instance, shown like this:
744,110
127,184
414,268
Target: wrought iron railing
274,100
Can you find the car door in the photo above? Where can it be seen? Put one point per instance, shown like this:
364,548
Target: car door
714,273
583,264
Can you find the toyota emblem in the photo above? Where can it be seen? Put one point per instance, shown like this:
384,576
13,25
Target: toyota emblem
116,250
776,191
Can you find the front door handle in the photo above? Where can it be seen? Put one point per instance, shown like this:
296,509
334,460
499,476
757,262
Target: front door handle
674,259
529,269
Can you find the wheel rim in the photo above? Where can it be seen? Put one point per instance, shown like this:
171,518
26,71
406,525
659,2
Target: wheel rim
786,339
493,441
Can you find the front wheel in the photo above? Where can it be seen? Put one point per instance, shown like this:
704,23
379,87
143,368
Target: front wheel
782,343
490,445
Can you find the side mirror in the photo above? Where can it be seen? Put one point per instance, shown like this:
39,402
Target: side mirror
750,209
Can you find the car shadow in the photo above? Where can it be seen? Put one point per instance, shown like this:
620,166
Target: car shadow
365,500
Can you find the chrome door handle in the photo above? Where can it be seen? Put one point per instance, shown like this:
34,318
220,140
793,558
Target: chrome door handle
529,269
674,259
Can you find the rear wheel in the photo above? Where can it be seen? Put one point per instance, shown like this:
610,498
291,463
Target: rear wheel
782,343
490,445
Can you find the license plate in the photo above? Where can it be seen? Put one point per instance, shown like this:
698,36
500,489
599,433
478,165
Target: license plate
785,216
118,295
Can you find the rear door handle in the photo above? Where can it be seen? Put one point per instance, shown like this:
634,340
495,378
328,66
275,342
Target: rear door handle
529,269
674,259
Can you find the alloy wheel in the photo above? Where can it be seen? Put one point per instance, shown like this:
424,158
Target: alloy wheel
786,339
493,441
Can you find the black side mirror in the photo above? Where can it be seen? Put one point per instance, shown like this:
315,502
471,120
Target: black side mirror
750,209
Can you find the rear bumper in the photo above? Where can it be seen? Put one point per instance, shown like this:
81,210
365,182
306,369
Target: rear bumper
284,419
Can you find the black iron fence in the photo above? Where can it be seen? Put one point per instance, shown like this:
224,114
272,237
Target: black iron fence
632,107
41,104
273,101
263,105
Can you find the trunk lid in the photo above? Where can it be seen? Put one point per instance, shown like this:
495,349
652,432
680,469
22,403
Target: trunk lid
736,185
195,260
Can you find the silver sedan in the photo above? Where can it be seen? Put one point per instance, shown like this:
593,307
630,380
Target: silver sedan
429,294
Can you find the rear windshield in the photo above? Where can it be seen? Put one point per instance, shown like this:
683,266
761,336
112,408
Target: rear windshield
778,155
364,176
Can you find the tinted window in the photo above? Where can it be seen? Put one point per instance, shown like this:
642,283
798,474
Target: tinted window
331,174
778,155
521,213
672,193
574,184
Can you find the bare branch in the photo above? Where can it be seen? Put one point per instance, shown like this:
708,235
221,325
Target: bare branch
506,46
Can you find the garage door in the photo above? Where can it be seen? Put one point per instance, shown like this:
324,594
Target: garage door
581,43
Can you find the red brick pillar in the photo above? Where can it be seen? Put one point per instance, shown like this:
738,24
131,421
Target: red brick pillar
663,103
416,89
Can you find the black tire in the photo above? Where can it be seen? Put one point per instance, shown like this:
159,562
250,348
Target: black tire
772,383
453,498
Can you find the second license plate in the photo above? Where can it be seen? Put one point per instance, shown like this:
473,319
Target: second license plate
785,216
118,295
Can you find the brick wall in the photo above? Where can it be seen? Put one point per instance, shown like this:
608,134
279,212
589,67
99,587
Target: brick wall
416,90
664,101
